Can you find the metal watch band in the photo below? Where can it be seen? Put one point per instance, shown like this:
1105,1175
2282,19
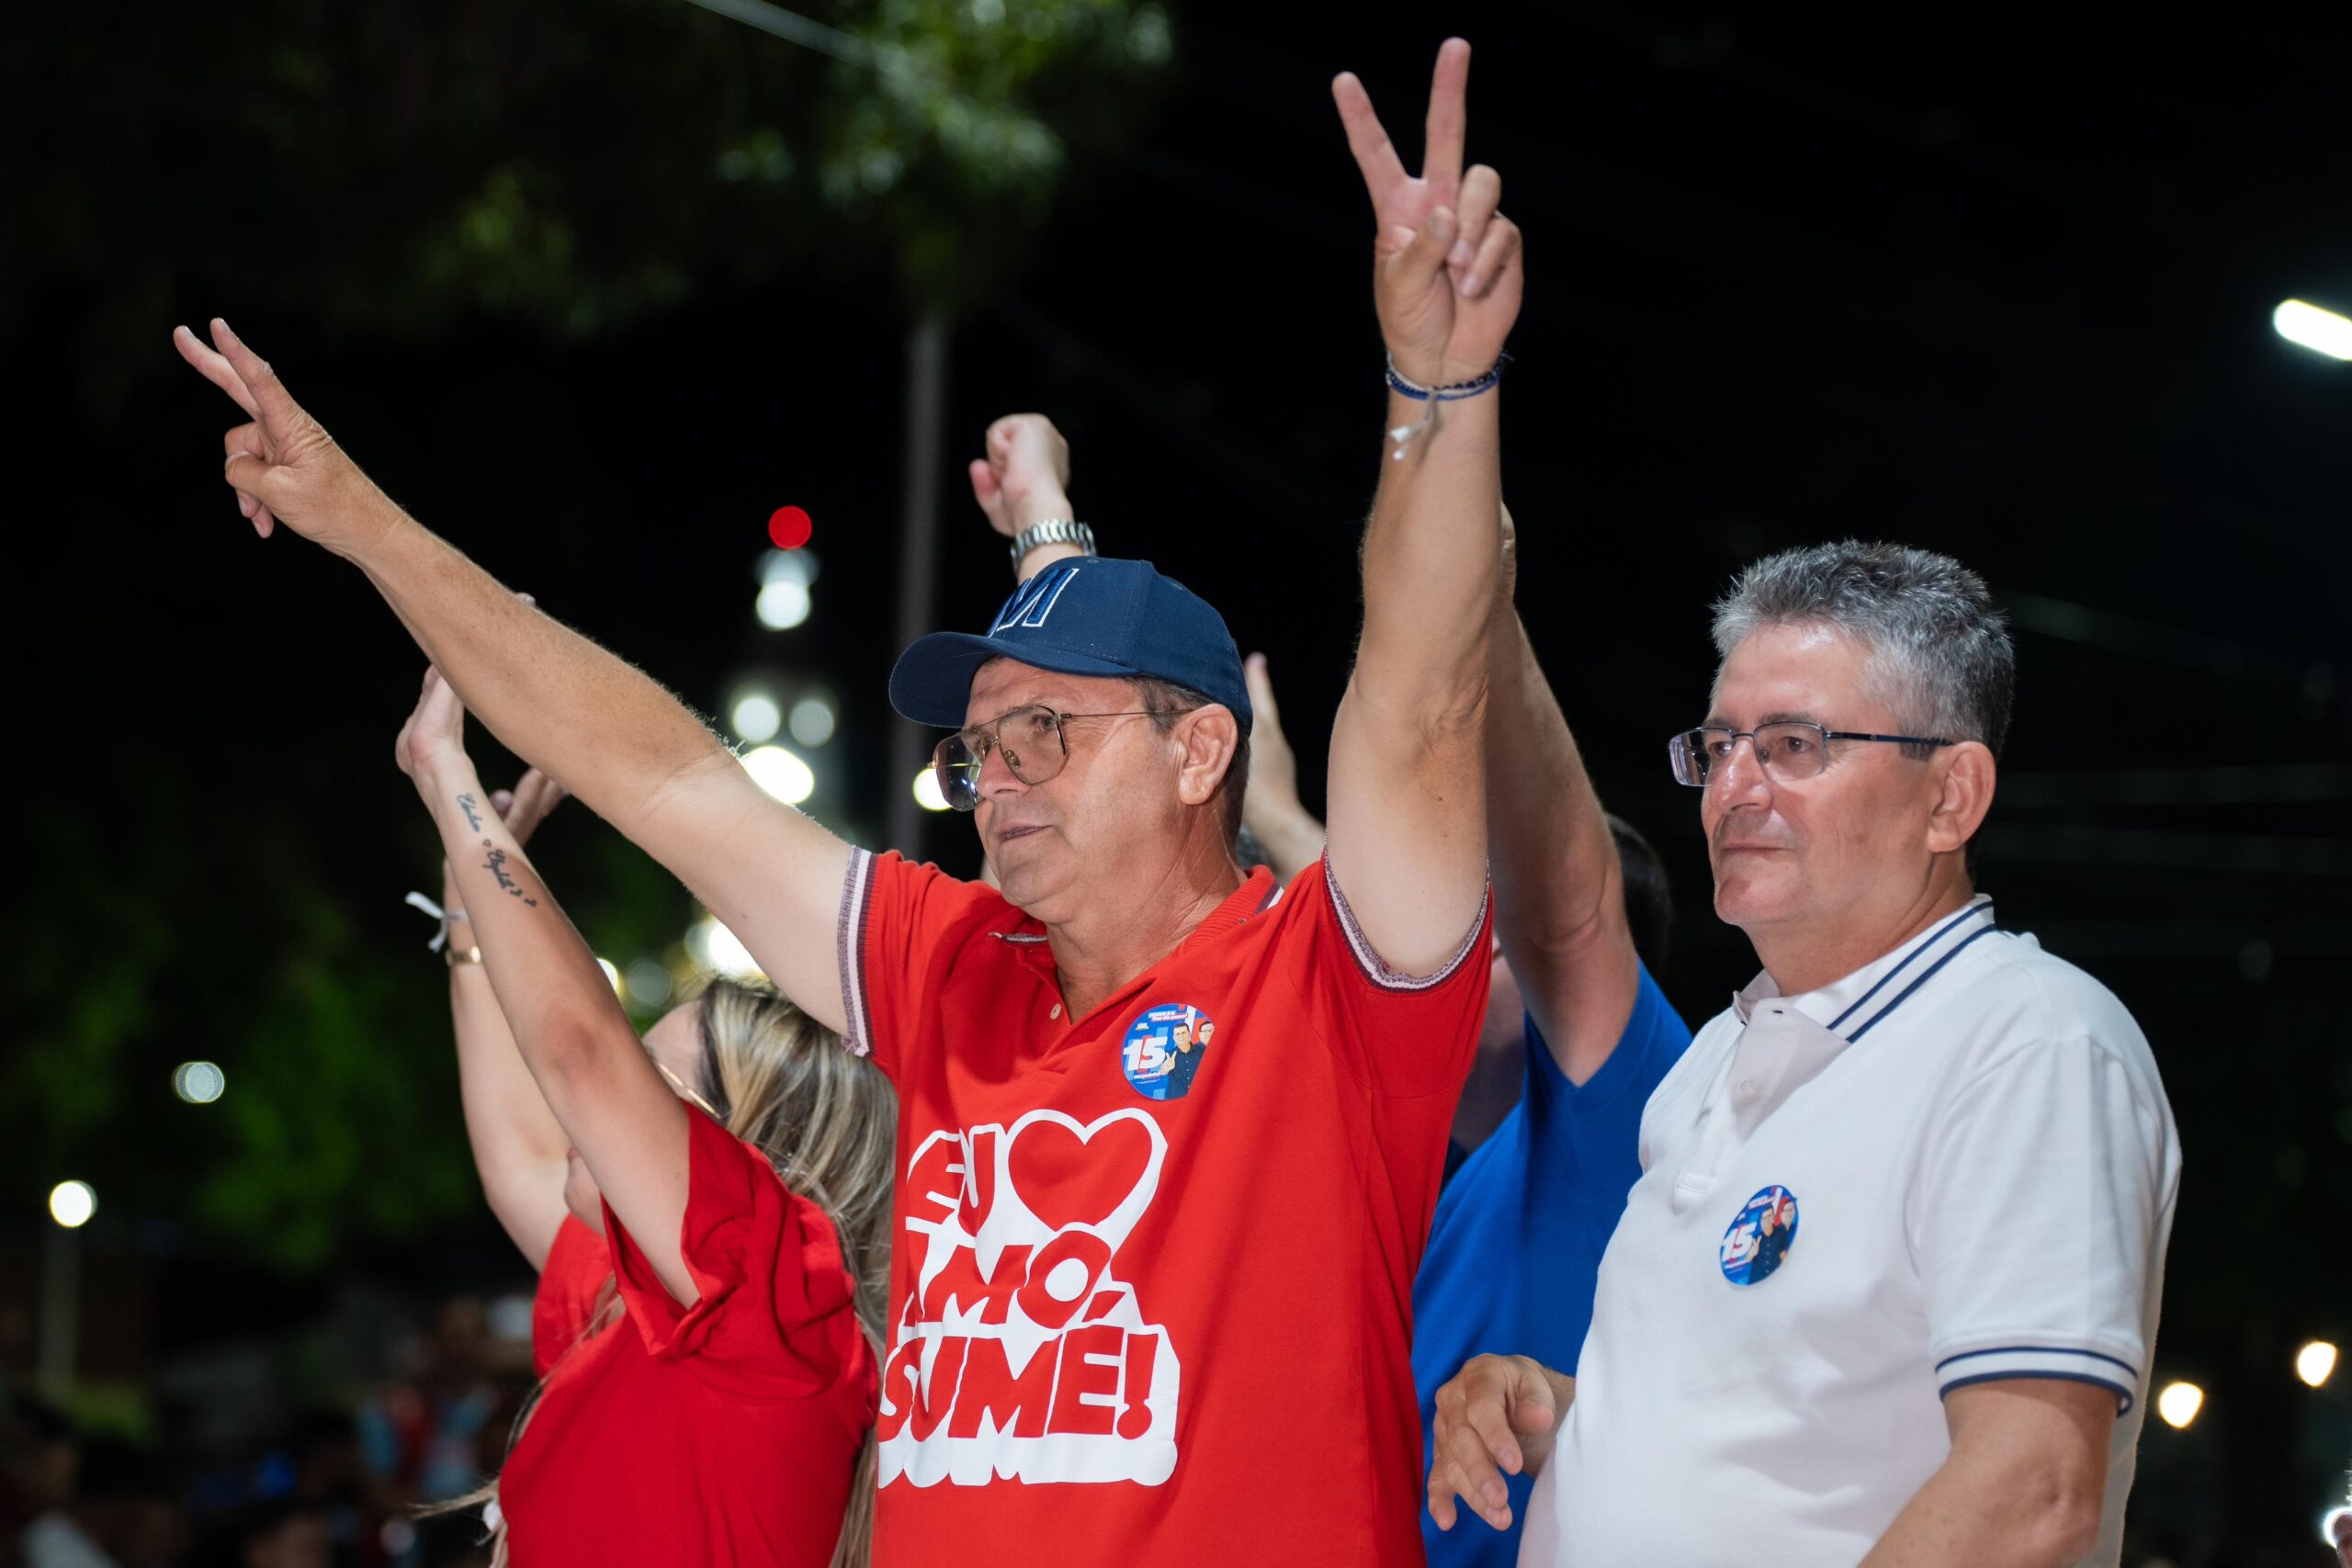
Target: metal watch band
1052,531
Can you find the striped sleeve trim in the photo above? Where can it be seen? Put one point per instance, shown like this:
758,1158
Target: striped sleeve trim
1374,968
2057,1362
850,951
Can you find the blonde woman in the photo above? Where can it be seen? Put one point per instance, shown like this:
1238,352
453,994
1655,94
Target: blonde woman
723,1186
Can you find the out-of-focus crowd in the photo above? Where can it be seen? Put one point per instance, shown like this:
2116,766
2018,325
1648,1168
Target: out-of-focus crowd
347,1484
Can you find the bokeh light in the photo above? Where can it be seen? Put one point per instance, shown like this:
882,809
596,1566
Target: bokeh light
2180,1403
2315,1363
781,774
712,946
648,982
812,720
789,528
71,1203
198,1083
755,717
786,577
781,605
927,794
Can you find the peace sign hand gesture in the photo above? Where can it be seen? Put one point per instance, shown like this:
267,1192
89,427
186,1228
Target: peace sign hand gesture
1447,276
284,466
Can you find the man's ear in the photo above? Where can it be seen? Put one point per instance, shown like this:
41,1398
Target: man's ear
1965,775
1209,736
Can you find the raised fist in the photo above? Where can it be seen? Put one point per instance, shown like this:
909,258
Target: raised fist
1026,476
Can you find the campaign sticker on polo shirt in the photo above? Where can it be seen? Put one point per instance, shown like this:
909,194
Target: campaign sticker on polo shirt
1761,1237
1163,1050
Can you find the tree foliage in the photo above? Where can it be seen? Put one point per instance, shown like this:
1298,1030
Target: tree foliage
383,175
392,169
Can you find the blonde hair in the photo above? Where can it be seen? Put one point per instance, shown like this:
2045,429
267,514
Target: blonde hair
827,1121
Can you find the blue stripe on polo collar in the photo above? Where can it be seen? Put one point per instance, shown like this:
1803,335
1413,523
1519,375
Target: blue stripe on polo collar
1851,1007
1094,615
1917,964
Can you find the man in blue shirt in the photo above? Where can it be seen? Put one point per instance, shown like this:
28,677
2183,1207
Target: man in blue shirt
1581,912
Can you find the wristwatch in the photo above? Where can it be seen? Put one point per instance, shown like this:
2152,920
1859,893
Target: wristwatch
1052,531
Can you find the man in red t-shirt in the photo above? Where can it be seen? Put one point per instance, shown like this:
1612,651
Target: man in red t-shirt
1125,1268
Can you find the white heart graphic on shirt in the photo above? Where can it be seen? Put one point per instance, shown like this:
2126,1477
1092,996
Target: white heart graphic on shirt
1062,1173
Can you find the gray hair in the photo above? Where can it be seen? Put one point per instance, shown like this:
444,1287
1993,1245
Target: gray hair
1165,701
1938,652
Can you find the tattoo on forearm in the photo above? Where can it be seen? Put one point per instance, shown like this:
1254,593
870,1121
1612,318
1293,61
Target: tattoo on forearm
471,808
496,866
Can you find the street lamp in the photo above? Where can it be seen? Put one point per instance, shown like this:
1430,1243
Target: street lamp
2321,331
71,1204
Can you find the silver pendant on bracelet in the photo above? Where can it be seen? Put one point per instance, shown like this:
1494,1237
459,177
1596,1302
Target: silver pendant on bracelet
1404,436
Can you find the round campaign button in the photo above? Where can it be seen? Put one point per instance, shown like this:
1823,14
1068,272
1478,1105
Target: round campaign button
1163,1049
1761,1237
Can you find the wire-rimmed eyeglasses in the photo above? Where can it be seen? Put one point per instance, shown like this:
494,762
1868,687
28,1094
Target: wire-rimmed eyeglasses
1030,738
1789,749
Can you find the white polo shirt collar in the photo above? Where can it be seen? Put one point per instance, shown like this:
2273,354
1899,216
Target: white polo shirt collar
1852,1007
1786,1042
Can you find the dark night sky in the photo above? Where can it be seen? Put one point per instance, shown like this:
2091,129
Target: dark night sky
2001,290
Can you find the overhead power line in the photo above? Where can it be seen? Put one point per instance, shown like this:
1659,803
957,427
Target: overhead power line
793,27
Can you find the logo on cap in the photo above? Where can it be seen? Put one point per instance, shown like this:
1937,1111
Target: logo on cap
1034,599
1163,1050
1759,1239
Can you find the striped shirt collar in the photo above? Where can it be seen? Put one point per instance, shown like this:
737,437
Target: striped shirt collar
1852,1007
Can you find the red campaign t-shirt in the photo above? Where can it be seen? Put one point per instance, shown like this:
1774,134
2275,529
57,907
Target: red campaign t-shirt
572,1282
726,1433
1151,1280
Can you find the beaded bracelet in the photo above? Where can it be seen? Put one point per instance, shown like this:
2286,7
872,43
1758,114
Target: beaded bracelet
1404,434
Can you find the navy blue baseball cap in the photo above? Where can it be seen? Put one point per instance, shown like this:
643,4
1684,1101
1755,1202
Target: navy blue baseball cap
1089,615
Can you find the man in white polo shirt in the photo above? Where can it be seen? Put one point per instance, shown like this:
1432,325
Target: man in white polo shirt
1887,1290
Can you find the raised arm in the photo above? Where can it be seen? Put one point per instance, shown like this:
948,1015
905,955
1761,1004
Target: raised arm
592,1071
518,1146
1406,801
1025,480
638,757
1559,893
